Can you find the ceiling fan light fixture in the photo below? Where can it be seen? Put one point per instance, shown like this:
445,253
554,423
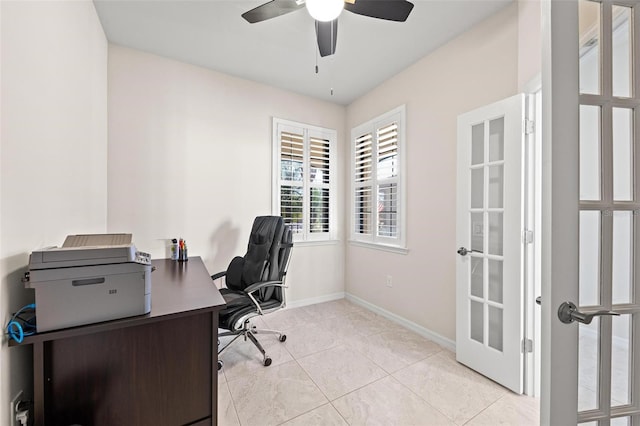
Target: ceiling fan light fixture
324,10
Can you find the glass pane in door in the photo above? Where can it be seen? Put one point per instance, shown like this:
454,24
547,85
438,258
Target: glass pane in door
477,232
588,365
589,27
495,233
589,258
495,280
622,154
496,139
477,144
477,276
495,328
622,257
589,152
476,319
621,421
477,188
621,360
622,48
496,186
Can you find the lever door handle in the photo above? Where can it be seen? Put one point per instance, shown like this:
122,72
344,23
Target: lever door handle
568,313
464,251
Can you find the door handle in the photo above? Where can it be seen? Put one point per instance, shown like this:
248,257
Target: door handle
463,251
568,313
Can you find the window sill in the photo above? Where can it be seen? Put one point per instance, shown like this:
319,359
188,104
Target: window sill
315,243
379,246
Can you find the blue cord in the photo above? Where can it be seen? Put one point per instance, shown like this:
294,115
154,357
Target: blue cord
18,331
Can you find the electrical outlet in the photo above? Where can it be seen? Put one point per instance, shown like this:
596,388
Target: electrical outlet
12,410
389,281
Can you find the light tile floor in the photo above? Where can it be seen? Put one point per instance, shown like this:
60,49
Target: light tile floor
344,365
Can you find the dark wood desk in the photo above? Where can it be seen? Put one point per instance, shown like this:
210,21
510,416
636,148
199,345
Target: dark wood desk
154,369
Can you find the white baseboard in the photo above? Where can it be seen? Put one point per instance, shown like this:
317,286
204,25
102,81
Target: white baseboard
314,300
435,337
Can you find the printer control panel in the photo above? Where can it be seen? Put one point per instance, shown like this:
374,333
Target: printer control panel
143,258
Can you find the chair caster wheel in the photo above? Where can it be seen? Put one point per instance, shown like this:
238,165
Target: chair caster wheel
283,337
220,364
267,362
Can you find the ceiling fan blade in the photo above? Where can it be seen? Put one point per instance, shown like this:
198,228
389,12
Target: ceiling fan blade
271,9
390,10
327,35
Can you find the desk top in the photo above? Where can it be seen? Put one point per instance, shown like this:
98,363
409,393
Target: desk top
177,289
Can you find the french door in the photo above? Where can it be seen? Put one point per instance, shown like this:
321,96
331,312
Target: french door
591,216
489,229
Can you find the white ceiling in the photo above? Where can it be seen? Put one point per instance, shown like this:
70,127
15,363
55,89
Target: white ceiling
281,52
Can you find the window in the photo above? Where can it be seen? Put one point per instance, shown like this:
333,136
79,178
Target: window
304,179
377,167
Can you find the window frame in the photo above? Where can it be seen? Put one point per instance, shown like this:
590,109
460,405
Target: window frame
308,131
373,240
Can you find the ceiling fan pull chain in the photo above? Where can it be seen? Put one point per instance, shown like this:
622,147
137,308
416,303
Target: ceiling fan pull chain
316,49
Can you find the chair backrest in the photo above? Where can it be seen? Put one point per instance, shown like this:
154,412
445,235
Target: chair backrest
281,261
266,259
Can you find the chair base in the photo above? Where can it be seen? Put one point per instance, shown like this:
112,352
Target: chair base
248,331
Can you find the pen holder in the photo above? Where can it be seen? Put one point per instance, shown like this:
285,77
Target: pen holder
182,254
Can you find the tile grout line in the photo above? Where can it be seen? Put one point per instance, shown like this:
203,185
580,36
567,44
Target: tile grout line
415,393
315,384
233,403
484,409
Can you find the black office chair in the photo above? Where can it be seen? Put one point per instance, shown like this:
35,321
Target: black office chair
255,283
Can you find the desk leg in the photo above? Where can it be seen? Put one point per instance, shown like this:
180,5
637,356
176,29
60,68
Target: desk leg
38,383
214,369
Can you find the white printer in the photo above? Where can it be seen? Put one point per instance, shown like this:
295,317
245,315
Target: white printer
91,278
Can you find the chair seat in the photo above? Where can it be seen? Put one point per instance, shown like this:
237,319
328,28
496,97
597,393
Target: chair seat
239,305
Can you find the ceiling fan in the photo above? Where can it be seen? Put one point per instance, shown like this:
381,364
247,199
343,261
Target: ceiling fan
326,12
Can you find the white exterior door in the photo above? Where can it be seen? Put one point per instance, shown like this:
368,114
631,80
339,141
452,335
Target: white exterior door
591,212
489,277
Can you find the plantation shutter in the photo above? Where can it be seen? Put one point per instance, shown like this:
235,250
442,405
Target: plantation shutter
292,180
319,184
387,180
303,180
363,184
378,198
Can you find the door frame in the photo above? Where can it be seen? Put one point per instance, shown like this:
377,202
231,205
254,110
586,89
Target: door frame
532,176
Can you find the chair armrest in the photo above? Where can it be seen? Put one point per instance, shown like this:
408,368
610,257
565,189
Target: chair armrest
218,275
257,286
